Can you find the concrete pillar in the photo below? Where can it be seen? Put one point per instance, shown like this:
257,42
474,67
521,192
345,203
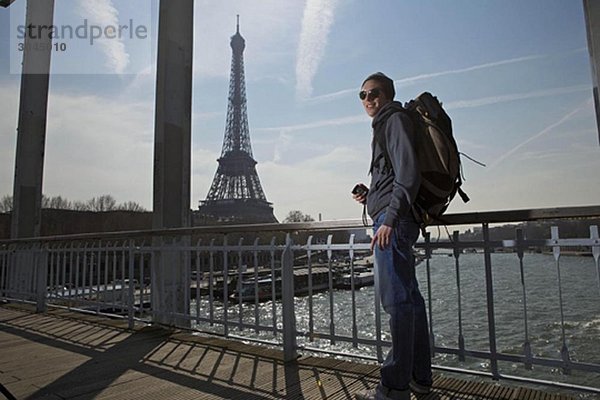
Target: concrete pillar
31,130
172,155
591,10
29,279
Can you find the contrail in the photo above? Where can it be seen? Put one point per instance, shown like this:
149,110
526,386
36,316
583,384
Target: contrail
104,13
544,131
484,101
316,23
407,81
353,119
361,118
410,80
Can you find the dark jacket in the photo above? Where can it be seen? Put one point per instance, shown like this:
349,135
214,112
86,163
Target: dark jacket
394,187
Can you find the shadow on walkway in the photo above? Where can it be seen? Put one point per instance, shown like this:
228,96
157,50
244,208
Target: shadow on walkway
157,362
62,355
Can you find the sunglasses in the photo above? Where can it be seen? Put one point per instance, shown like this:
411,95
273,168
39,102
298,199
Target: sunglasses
371,94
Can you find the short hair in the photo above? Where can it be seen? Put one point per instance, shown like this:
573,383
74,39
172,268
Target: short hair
386,82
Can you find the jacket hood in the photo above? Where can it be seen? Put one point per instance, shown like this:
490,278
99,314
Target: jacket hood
385,112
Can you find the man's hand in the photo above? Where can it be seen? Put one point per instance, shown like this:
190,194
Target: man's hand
382,237
361,198
360,193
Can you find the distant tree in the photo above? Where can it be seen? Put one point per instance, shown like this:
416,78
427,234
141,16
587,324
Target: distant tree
80,206
6,204
56,202
103,203
131,206
298,216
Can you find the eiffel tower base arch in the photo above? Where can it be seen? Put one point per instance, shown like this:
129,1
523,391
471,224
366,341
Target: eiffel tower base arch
243,211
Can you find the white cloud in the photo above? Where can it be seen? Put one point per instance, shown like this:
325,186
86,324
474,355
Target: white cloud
142,80
282,144
97,146
316,23
103,13
94,146
318,185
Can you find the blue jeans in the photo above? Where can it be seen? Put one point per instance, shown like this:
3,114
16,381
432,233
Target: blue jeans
410,356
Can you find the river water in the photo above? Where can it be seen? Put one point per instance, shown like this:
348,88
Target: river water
580,293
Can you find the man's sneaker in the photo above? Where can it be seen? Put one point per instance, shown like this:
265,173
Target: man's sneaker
417,388
367,394
381,392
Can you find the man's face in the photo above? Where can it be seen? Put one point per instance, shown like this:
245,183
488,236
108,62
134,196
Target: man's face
373,97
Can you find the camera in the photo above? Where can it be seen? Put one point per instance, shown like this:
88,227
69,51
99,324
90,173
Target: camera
359,190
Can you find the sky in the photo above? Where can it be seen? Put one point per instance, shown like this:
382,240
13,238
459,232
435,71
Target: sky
513,75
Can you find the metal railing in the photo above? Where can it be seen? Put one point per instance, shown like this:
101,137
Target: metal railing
298,286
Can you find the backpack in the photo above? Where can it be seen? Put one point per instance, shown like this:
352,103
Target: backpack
438,156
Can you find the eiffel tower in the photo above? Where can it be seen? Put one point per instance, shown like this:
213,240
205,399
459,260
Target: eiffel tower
236,194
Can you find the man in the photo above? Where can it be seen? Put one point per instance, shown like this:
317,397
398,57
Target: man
395,181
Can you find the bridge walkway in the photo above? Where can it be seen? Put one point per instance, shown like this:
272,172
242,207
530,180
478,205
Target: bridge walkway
67,355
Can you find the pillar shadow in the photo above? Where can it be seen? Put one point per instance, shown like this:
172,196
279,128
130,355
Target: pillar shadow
292,380
207,366
104,367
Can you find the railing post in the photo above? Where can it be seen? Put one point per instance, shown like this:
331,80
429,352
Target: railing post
41,274
225,287
240,286
527,345
596,249
564,351
311,318
354,324
211,282
377,309
461,338
287,300
273,286
131,288
427,238
256,300
489,286
3,270
331,300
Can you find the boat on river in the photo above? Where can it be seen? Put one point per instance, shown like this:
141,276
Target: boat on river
360,277
313,280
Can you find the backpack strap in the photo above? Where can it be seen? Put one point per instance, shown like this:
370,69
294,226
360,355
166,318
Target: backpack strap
465,198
